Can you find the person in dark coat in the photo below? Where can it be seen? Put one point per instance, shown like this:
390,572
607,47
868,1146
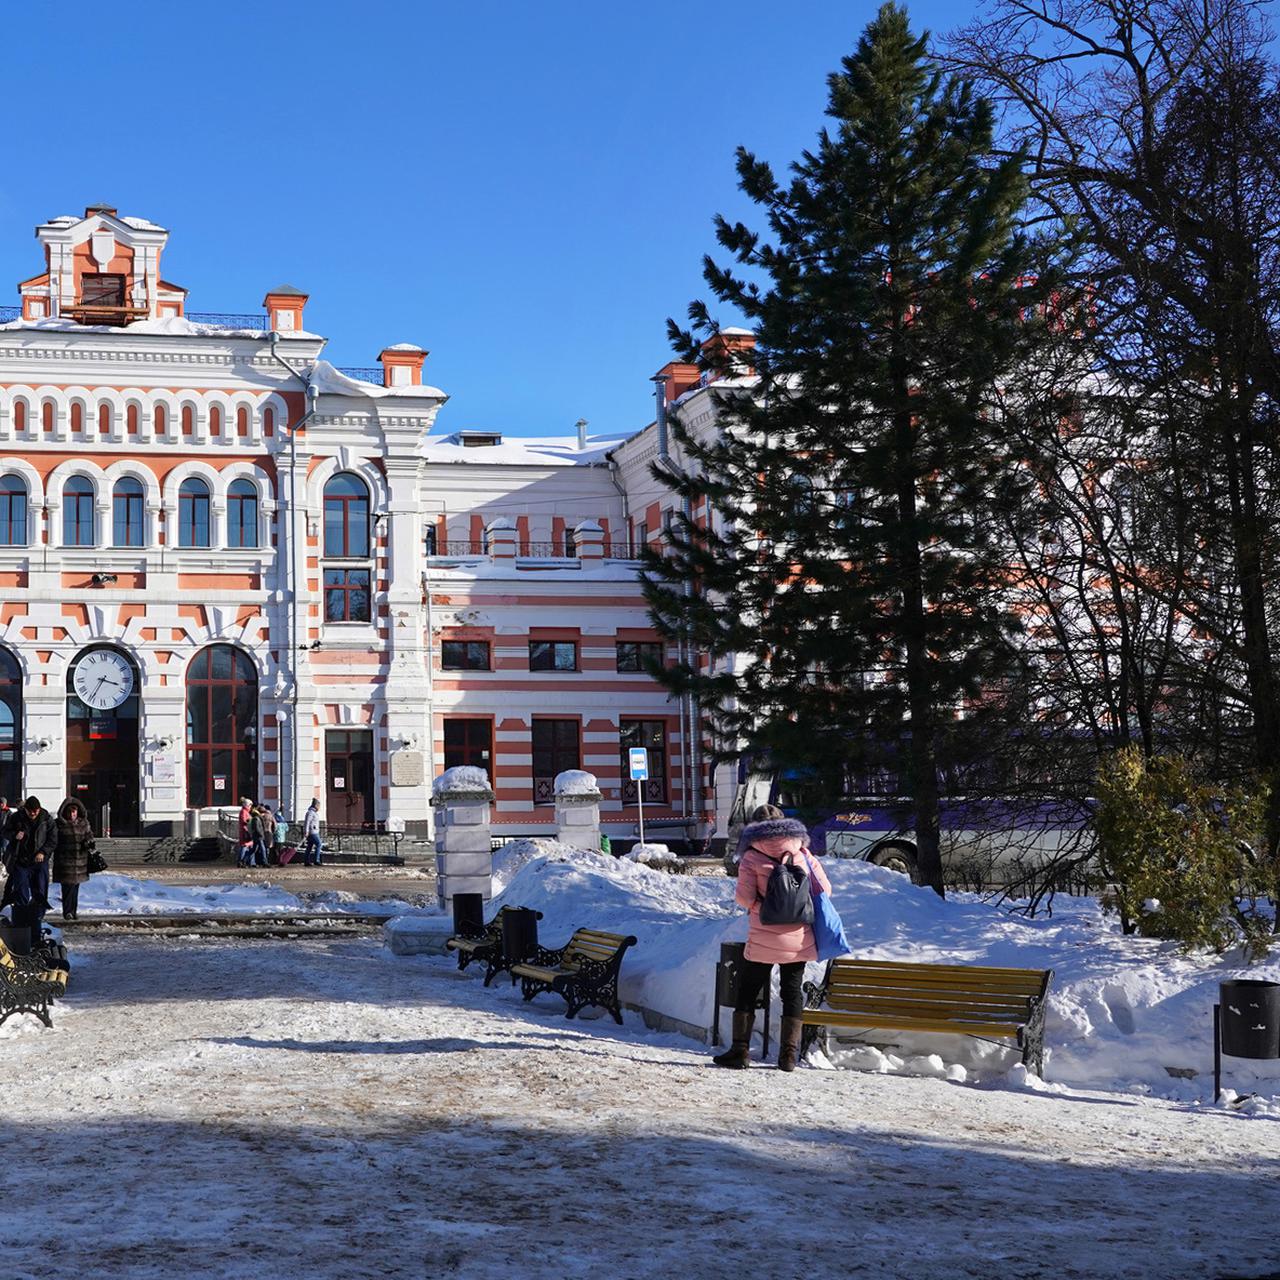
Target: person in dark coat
33,837
71,858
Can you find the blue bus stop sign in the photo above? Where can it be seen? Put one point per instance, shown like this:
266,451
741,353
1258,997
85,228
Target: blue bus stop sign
639,758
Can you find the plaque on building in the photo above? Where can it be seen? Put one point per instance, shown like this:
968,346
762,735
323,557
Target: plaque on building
406,769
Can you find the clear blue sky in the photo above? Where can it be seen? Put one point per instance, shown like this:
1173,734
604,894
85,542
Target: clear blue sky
526,190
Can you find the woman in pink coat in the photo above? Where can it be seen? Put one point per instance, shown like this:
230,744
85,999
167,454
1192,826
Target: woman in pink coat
766,842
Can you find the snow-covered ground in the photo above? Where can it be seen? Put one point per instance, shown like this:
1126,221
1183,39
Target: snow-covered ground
331,1110
328,1108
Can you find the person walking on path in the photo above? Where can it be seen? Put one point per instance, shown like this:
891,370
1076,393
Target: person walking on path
33,837
71,857
769,840
279,832
259,823
311,846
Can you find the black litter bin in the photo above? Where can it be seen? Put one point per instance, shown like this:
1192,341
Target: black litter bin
17,937
519,934
728,983
1250,1018
468,915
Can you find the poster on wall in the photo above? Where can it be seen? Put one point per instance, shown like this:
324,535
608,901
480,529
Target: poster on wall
164,769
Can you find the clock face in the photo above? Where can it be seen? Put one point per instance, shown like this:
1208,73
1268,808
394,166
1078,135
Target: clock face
103,679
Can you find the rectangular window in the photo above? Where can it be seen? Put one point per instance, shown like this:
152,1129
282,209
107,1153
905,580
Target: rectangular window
555,749
127,521
638,655
468,742
346,595
193,520
102,290
464,655
652,736
13,517
242,520
553,655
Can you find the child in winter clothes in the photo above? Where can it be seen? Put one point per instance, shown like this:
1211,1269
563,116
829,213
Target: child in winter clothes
765,842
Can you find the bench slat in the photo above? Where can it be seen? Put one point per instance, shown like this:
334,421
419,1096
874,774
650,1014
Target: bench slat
910,966
840,979
924,1008
1017,1007
829,1018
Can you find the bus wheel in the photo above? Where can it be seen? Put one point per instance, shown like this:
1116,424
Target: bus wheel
896,857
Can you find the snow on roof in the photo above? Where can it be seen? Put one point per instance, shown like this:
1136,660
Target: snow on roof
579,572
325,378
519,451
165,326
141,224
735,331
404,346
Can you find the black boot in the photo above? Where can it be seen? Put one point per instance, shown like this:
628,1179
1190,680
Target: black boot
789,1052
738,1055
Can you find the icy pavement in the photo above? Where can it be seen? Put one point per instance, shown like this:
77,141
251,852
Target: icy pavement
325,1109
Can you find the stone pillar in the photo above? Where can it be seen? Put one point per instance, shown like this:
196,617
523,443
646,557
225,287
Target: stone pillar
588,540
578,809
502,539
464,861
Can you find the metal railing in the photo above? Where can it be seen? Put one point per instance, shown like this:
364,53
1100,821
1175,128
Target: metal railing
545,550
366,374
455,547
231,320
10,313
370,839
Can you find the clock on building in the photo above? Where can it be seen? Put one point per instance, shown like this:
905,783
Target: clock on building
103,679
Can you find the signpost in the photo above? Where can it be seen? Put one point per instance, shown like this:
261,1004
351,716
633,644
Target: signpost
639,759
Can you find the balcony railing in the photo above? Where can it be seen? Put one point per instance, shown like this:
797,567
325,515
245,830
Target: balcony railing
231,320
10,313
457,547
531,550
373,375
545,550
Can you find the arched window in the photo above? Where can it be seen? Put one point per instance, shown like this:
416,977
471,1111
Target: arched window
77,512
242,514
13,511
222,727
346,516
128,515
10,726
193,513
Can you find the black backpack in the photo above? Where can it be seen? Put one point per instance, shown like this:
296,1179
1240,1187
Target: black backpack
787,897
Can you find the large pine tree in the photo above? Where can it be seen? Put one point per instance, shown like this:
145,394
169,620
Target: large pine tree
849,593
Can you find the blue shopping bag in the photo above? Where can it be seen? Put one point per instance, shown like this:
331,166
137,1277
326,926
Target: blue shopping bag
828,928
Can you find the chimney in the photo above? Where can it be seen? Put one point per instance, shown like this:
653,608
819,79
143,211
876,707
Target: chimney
677,378
284,306
726,352
402,365
581,424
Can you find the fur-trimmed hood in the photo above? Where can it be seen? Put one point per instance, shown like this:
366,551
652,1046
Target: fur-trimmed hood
772,829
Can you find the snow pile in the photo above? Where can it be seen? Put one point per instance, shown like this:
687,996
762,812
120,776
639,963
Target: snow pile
329,380
515,855
1128,1014
576,782
462,779
653,855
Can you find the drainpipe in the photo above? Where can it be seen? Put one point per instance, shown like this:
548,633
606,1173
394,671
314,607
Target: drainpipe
691,770
300,560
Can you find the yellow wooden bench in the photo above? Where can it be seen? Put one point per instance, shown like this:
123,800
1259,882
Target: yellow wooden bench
29,984
584,971
485,948
959,999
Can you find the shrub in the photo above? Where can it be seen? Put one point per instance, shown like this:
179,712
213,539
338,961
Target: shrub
1177,850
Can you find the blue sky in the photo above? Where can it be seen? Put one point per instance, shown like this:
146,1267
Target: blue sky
526,190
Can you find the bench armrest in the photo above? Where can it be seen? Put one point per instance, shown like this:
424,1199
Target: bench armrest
547,957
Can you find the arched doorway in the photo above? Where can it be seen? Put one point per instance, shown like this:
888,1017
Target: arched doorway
10,728
102,737
222,727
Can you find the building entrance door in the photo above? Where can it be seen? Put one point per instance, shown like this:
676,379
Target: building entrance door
348,768
102,740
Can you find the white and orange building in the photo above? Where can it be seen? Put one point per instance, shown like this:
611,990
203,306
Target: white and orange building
280,579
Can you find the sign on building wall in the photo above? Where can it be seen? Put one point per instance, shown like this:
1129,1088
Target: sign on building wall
406,769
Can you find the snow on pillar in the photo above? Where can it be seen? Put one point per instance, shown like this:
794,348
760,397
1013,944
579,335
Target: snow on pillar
502,539
588,539
578,809
461,797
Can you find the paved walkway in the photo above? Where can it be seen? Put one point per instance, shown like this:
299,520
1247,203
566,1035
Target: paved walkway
325,1109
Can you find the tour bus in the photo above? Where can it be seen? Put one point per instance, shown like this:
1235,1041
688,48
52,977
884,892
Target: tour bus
983,840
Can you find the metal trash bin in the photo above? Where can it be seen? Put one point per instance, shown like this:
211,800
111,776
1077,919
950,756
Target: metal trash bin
468,915
729,972
17,937
191,825
1250,1018
519,934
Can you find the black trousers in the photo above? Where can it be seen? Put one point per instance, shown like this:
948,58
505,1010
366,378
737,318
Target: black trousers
70,897
755,975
